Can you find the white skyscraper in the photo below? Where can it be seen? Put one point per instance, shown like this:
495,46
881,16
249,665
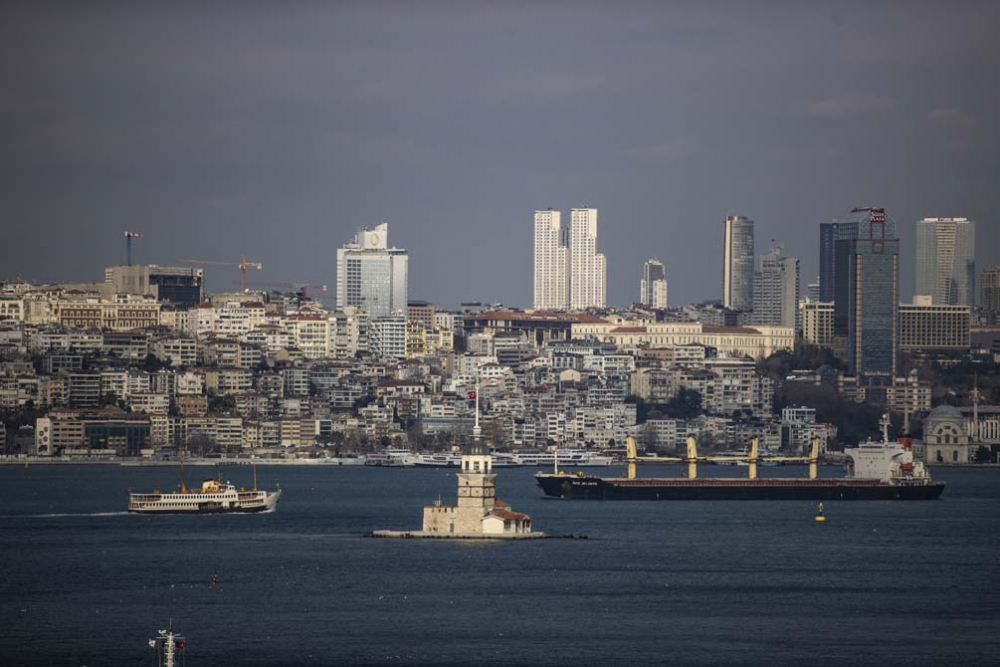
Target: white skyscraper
653,285
776,290
372,276
588,268
946,260
551,261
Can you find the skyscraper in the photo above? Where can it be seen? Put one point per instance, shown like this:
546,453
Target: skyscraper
989,285
946,260
827,253
776,290
866,295
371,275
551,265
653,285
588,268
738,258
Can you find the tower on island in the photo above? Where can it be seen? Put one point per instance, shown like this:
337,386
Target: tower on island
479,511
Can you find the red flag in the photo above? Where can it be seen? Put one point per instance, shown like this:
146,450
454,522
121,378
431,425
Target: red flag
180,644
472,394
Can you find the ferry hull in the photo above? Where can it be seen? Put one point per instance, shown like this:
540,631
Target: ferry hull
146,505
598,488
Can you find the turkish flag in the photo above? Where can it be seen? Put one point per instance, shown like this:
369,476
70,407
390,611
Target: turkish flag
180,644
472,394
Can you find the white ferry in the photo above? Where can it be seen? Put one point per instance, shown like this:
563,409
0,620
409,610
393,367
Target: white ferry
437,460
214,497
394,457
562,457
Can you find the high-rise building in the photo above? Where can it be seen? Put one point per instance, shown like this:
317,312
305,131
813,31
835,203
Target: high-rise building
372,276
551,284
989,289
812,290
827,253
738,258
588,268
653,285
926,326
866,298
946,260
776,290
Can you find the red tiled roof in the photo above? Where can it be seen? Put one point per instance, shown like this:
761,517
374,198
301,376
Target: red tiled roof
507,515
538,316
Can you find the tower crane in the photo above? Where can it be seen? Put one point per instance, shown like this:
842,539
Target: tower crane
128,245
243,264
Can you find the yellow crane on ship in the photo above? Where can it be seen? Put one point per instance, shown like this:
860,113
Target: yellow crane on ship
752,457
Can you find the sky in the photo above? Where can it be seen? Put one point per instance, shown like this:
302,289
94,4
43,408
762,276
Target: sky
275,130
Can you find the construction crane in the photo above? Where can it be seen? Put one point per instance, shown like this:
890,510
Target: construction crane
692,458
128,245
243,264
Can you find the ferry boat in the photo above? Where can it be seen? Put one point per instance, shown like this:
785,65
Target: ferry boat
878,471
214,497
579,458
437,460
394,457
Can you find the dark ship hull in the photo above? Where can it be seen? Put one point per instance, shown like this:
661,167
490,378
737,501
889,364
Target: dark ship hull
609,488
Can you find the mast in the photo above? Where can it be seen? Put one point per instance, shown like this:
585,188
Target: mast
476,431
180,456
975,407
884,423
253,463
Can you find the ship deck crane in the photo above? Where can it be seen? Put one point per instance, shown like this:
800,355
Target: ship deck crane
243,264
692,458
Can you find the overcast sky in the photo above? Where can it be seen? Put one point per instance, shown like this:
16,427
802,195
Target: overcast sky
276,129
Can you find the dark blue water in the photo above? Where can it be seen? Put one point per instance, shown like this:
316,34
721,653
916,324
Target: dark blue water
681,583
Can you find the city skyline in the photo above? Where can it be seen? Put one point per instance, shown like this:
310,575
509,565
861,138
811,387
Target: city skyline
217,149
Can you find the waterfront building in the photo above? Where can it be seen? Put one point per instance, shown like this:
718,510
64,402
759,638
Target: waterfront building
588,269
371,275
551,262
827,261
866,298
776,290
738,260
927,326
946,260
653,285
946,438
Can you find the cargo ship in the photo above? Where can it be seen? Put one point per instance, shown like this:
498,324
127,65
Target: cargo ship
875,471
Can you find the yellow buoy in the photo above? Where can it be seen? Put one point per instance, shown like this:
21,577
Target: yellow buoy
819,514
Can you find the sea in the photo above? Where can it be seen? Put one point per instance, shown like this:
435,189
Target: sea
656,583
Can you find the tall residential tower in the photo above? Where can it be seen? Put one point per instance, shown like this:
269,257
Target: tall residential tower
776,290
653,285
588,273
946,261
551,262
737,268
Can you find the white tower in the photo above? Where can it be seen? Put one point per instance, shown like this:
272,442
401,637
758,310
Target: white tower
588,268
551,265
